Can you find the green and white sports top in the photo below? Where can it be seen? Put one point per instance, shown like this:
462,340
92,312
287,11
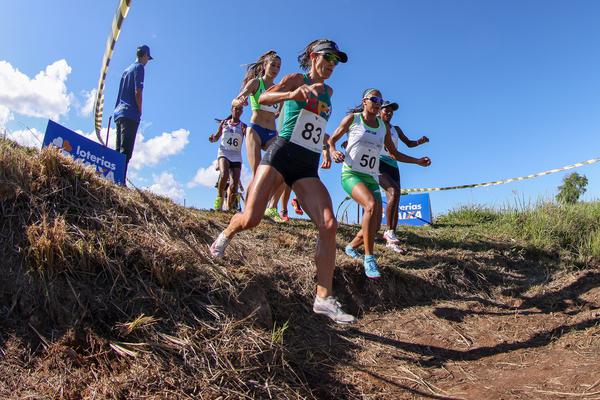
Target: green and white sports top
364,146
386,157
304,122
255,105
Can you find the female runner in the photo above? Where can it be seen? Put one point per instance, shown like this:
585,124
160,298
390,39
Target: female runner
367,134
389,174
260,76
294,159
229,157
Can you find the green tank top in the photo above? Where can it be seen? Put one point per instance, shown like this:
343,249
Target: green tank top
255,105
320,105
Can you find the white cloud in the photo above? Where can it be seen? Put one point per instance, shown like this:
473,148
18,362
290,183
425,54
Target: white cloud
44,96
88,106
166,185
208,176
26,137
153,151
93,137
205,176
5,115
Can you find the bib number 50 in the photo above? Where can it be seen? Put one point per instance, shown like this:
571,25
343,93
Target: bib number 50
367,161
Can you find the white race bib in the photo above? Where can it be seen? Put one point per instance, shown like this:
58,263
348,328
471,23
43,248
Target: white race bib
309,131
273,108
366,159
231,140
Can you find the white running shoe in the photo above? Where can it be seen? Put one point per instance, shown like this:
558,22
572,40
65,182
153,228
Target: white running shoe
330,307
395,248
390,236
217,249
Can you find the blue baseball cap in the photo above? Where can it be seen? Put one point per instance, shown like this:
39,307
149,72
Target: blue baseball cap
144,50
393,106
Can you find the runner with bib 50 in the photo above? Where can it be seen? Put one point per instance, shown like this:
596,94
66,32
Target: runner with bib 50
367,134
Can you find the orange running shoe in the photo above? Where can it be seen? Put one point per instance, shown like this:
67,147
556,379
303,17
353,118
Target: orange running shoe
296,205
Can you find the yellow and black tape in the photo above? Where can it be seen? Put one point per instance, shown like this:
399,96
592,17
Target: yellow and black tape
504,181
115,30
484,184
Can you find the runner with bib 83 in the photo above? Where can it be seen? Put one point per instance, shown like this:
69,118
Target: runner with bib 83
294,158
367,135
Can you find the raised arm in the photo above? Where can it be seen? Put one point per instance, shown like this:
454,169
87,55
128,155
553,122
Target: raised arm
340,131
291,87
407,141
242,98
389,143
215,136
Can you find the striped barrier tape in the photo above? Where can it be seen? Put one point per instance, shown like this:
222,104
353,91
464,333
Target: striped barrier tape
115,30
502,182
484,184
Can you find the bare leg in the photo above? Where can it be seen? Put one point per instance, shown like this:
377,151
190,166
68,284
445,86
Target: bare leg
265,181
253,149
371,218
277,195
285,198
224,178
392,191
233,188
317,203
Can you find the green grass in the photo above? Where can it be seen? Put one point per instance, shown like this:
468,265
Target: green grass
572,230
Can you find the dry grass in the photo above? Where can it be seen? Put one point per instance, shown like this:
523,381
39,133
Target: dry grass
108,292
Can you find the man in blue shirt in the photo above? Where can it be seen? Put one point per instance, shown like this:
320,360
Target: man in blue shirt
128,109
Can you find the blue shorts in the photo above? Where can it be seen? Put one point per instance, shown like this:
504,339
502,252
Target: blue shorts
264,133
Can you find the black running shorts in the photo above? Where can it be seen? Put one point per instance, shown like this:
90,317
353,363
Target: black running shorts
394,173
292,161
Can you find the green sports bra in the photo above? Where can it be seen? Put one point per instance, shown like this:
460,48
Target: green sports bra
255,105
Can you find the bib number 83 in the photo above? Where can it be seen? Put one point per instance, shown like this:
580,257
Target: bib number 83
307,133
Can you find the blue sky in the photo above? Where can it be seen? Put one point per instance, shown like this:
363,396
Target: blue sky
502,88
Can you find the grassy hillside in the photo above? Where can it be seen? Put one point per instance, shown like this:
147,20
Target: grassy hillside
109,292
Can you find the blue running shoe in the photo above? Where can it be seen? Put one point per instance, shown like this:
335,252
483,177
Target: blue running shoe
351,251
371,269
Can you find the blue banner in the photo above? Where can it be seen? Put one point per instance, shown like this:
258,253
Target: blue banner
108,162
414,210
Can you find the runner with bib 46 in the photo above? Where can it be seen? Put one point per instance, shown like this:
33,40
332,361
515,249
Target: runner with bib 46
294,158
231,132
367,134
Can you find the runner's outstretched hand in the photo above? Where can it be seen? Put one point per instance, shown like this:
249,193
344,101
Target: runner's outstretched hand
424,162
337,156
304,92
326,164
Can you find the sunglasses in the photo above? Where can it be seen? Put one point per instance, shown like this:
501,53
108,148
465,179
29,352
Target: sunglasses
375,99
331,57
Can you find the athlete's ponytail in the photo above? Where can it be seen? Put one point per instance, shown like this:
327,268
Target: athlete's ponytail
304,57
257,68
360,108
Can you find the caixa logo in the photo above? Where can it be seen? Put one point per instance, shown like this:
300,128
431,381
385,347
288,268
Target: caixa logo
63,145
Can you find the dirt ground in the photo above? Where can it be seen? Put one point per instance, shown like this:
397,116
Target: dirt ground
543,345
